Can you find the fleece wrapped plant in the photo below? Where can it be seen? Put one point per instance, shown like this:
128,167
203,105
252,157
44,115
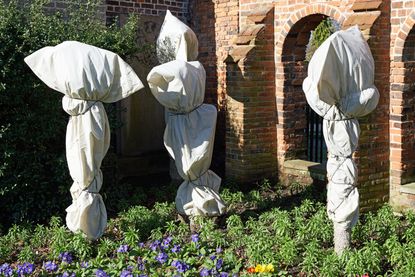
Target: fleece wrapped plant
340,88
88,76
32,123
179,85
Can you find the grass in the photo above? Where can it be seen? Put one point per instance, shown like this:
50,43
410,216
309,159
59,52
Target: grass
267,231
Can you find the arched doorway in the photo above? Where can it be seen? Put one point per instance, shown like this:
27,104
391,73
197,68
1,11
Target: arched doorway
408,109
302,127
405,113
402,117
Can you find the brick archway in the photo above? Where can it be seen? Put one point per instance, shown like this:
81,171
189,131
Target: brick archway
291,69
401,37
402,110
324,9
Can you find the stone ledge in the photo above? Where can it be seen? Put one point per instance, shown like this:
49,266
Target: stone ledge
408,188
259,15
360,5
363,19
238,52
249,33
314,170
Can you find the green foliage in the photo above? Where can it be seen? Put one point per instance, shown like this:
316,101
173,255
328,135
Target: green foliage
322,32
296,241
34,179
144,220
312,258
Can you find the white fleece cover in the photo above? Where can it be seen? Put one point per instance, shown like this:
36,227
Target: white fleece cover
87,76
176,40
340,88
179,85
189,136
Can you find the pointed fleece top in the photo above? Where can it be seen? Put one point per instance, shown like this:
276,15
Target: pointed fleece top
176,41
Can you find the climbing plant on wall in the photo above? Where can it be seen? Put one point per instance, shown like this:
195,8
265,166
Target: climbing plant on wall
325,29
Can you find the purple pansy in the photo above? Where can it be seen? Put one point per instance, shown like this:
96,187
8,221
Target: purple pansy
6,270
101,273
123,248
25,268
224,274
166,241
180,266
176,248
162,257
154,245
140,264
204,272
65,257
219,263
195,237
126,273
50,266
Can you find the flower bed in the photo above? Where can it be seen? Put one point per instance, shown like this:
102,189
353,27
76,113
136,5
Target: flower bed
260,235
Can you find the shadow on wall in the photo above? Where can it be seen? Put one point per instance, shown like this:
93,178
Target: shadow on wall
140,144
202,20
251,134
407,115
371,157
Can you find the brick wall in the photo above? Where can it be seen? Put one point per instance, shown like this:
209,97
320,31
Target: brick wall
265,105
251,143
144,7
147,7
373,152
402,110
215,23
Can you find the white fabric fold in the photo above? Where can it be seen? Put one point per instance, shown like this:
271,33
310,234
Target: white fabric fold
189,140
340,88
179,85
87,76
189,134
201,196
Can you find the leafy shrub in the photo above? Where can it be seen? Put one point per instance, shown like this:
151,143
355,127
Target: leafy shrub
34,179
325,29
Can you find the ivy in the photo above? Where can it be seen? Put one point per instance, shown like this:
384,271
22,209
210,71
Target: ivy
322,32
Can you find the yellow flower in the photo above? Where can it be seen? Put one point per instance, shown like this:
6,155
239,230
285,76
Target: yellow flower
262,268
269,268
259,268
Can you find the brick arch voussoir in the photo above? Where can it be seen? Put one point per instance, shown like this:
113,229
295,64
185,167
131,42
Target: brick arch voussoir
401,36
328,10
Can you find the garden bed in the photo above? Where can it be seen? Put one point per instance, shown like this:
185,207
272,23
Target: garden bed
266,231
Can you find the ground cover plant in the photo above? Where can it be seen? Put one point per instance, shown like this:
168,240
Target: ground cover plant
264,233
